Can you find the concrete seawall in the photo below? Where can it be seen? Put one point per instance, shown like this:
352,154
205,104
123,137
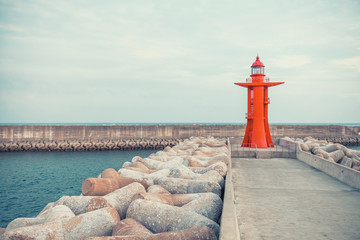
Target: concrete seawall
125,137
74,132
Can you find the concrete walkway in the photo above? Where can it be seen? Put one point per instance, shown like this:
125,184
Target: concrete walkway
283,198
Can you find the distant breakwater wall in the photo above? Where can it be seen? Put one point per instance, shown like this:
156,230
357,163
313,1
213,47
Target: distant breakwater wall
87,145
127,137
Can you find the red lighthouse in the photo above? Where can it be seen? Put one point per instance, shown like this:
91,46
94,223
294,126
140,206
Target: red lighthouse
257,133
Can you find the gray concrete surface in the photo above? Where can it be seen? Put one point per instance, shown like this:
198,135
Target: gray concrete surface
228,223
275,152
284,198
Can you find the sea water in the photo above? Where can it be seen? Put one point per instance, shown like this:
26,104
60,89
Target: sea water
357,148
30,180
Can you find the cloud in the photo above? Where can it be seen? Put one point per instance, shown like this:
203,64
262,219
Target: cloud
150,49
178,55
292,61
352,63
13,28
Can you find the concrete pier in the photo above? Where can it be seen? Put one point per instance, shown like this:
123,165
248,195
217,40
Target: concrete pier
284,198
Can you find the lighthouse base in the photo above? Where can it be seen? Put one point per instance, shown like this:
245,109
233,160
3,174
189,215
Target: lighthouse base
257,137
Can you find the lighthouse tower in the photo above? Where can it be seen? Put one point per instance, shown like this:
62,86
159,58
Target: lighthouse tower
257,133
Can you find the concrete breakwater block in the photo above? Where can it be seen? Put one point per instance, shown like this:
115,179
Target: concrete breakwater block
109,173
186,147
110,180
331,148
195,233
24,222
77,204
96,223
57,213
213,176
336,153
347,162
201,161
129,227
210,151
127,173
155,197
208,204
158,217
349,152
179,185
182,172
182,199
320,152
155,164
223,157
137,166
52,230
157,189
99,186
119,199
220,167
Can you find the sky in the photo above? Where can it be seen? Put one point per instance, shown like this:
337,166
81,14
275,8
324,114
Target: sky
177,61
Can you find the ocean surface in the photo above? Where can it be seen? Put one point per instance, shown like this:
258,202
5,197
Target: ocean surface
30,180
354,147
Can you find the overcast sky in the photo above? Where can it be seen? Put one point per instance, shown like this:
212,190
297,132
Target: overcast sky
177,61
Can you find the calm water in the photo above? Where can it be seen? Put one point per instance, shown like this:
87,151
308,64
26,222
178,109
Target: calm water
30,180
354,147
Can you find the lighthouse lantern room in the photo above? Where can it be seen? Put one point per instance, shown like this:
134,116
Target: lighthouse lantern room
257,134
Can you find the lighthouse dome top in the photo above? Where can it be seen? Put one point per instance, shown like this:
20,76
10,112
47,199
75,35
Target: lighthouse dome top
257,63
